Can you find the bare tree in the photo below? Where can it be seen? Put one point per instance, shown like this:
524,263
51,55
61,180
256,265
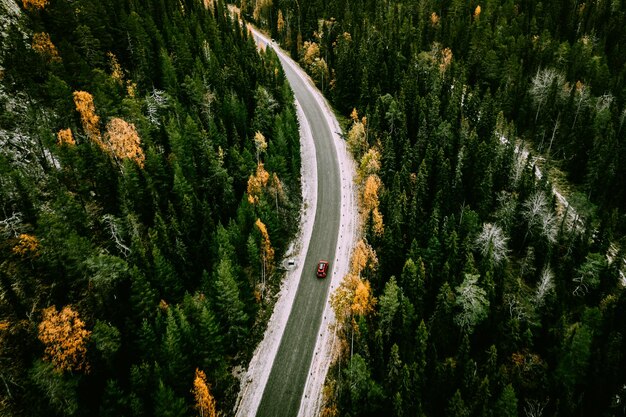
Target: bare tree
541,84
115,231
12,225
539,217
545,285
534,408
492,242
155,101
472,300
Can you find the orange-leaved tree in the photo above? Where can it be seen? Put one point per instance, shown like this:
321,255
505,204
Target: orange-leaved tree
205,403
256,183
266,250
65,137
477,11
42,44
267,253
35,4
122,141
371,203
363,257
354,296
65,338
27,245
88,117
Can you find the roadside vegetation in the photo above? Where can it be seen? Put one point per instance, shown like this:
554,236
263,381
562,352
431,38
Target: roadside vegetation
149,184
486,298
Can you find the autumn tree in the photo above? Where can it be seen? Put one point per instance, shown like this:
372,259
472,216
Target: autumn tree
205,403
364,257
267,253
123,141
256,183
260,145
89,119
27,245
35,4
357,140
371,203
65,137
44,47
65,338
477,11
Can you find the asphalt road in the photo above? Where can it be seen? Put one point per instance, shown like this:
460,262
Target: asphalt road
285,386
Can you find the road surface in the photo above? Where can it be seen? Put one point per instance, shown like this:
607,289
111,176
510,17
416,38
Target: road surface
284,388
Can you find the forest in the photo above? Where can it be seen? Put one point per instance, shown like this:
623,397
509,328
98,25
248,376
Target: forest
149,181
490,142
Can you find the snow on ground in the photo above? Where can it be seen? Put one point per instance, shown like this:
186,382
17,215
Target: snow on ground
254,379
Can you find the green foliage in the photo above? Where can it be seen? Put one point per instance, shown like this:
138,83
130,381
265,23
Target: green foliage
137,249
472,106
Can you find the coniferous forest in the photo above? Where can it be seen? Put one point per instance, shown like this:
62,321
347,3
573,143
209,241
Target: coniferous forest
490,144
149,182
149,177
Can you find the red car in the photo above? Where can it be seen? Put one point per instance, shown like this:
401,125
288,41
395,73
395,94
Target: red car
322,269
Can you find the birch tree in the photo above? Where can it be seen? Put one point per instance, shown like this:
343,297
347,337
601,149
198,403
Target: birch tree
473,303
491,242
539,217
545,285
541,84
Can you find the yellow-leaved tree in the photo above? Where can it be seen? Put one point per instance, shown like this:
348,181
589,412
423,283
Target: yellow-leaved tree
371,203
260,144
65,138
477,11
122,141
363,257
65,338
44,47
116,69
357,139
256,183
434,19
354,296
27,245
35,4
445,60
267,254
88,117
205,402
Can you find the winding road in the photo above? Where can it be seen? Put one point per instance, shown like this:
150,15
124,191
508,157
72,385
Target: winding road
282,393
